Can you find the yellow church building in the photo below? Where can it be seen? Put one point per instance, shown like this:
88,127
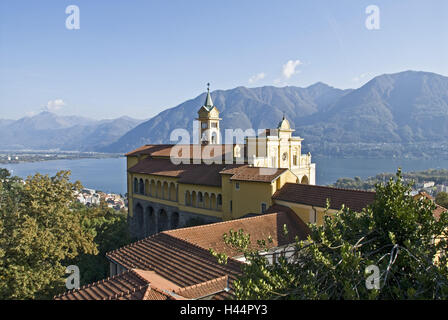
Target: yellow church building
267,170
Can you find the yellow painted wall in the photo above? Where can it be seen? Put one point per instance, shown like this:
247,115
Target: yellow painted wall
303,211
248,199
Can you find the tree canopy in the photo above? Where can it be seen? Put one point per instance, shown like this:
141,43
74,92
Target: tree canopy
43,230
397,233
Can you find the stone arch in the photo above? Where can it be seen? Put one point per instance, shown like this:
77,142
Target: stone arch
172,192
165,192
147,190
138,211
219,201
159,189
214,137
207,201
187,198
153,188
194,202
141,186
174,220
135,185
150,221
163,220
304,180
213,203
200,199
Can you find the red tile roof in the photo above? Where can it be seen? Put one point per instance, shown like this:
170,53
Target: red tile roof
181,262
128,285
134,285
438,210
205,289
259,227
204,174
318,195
195,151
247,173
177,264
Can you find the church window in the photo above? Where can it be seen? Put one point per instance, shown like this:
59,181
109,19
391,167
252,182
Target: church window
214,124
294,159
204,125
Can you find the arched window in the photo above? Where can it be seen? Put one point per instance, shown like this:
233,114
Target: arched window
135,185
305,180
165,193
139,220
187,198
173,192
150,221
153,189
219,199
174,220
194,199
200,197
141,187
147,187
163,220
159,190
213,203
207,201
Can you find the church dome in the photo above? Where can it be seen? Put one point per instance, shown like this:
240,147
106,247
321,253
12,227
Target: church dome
284,124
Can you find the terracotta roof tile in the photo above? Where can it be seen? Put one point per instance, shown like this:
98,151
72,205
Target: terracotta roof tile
181,262
248,173
204,174
204,289
318,195
177,264
259,227
195,151
128,285
438,210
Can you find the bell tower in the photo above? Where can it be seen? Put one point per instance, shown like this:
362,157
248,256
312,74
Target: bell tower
208,117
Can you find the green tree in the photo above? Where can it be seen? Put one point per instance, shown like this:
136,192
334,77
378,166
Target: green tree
442,199
110,229
39,233
397,233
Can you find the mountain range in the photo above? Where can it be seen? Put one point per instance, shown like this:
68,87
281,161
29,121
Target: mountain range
404,112
47,130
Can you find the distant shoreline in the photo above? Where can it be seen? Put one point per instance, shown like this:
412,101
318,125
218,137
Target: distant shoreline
27,156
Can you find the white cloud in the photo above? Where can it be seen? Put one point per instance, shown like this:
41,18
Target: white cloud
289,68
257,77
54,105
360,77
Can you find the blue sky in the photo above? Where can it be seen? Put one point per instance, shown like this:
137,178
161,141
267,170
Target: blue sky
138,58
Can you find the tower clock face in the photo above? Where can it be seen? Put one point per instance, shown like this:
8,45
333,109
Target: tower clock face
285,156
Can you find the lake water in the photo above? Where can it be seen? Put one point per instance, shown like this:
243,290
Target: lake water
109,175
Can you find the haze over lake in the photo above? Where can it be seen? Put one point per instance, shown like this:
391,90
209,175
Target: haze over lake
109,175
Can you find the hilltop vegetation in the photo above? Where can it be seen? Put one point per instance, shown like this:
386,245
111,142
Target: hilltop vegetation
394,236
439,176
